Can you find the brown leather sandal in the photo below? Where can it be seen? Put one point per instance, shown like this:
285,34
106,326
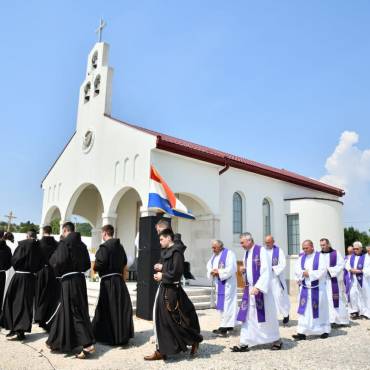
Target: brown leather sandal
155,356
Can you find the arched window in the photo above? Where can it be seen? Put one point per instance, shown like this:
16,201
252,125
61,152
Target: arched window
87,92
94,60
116,170
97,85
237,214
134,168
125,164
266,209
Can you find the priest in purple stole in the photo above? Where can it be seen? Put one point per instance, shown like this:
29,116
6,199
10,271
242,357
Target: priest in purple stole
257,311
335,289
277,260
313,310
359,295
222,269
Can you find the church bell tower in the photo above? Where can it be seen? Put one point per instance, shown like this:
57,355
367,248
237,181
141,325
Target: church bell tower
96,90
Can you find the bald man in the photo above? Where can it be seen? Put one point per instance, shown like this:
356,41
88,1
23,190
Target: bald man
313,309
276,257
221,268
335,286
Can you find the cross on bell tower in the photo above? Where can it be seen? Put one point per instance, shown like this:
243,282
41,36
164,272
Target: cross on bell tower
96,89
99,30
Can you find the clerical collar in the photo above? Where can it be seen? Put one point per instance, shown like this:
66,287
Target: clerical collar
329,251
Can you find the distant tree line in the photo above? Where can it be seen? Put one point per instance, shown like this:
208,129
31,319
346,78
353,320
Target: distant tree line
83,228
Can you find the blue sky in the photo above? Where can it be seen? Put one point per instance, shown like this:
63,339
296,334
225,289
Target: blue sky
274,81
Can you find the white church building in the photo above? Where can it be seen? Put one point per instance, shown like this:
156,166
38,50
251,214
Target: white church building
102,175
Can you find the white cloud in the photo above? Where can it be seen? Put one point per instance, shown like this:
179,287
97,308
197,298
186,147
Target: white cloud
348,167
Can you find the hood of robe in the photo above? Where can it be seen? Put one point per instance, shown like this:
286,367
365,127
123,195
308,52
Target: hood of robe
168,252
29,243
73,237
112,243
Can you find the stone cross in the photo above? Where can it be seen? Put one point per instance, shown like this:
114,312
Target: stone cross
10,218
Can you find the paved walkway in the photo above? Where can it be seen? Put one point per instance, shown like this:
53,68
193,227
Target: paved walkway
346,348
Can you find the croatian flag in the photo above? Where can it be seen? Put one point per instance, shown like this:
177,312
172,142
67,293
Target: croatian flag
162,198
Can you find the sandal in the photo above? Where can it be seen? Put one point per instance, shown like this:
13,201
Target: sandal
85,353
239,349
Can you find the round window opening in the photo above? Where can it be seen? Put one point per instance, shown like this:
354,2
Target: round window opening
88,141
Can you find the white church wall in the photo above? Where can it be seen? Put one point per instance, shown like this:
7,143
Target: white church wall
186,175
126,223
317,218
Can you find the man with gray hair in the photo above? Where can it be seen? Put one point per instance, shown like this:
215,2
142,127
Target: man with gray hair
257,310
359,294
221,268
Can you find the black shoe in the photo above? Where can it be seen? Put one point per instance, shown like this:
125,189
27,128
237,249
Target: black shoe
229,329
11,334
299,336
21,336
286,320
355,316
239,349
324,336
220,331
277,346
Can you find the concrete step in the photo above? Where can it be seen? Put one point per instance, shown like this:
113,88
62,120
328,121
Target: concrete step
200,296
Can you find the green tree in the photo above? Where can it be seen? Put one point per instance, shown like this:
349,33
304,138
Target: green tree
84,228
55,226
23,227
351,235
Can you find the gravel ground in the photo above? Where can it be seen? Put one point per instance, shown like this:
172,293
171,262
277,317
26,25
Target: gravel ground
346,348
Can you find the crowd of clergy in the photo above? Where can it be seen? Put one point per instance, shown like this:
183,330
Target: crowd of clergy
43,281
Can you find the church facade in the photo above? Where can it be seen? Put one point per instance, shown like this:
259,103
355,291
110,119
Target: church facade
102,175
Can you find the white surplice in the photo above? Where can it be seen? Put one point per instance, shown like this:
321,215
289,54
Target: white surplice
360,296
252,332
366,270
306,323
278,283
228,273
339,315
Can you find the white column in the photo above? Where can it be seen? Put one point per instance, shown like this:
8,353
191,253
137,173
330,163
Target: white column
95,238
109,219
61,223
145,212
